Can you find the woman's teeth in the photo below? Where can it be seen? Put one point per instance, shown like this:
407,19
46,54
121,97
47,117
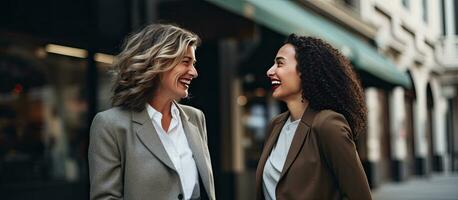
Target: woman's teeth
186,82
276,82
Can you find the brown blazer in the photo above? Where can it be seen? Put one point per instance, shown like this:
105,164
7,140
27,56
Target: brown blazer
322,162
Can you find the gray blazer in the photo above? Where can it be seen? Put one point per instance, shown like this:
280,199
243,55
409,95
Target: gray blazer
128,161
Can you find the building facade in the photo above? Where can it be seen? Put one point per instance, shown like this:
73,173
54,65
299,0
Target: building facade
409,33
447,55
404,51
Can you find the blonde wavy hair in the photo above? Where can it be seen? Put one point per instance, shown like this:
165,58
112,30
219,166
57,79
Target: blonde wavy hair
146,54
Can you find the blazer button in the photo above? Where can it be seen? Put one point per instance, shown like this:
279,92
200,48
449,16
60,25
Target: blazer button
180,196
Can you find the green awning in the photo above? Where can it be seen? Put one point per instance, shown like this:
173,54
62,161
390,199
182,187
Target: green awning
286,17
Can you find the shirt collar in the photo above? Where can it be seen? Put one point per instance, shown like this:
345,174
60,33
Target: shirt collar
153,113
175,111
290,122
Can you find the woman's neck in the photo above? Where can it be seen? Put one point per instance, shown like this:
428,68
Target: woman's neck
296,108
162,105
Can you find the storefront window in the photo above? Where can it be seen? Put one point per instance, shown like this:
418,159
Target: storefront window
258,109
43,125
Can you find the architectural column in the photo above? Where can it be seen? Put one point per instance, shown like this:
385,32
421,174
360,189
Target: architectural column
420,120
398,133
373,136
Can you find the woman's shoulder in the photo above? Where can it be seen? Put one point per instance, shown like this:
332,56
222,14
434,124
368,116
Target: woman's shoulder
189,109
324,117
330,124
113,114
192,112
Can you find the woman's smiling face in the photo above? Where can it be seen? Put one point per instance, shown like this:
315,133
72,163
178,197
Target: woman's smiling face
175,82
284,77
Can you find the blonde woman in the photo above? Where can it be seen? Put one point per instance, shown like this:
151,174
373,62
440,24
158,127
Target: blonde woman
148,146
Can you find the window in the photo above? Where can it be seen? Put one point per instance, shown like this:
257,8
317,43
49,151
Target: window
444,24
425,10
455,6
43,121
406,3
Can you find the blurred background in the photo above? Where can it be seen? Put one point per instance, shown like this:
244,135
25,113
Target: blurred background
55,58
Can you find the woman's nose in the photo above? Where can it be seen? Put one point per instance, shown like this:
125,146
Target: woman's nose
193,72
271,71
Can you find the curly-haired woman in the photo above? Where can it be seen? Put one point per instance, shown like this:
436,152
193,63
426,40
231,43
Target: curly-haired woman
148,146
310,150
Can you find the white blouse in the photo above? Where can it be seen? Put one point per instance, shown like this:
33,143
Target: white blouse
177,147
277,158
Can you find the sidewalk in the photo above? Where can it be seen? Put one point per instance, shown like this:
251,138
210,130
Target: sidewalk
435,187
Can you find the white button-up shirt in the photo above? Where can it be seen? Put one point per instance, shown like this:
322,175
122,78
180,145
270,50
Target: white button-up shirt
277,158
177,147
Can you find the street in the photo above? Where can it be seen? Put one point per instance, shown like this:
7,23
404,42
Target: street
435,187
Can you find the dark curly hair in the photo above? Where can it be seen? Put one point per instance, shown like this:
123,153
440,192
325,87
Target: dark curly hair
328,81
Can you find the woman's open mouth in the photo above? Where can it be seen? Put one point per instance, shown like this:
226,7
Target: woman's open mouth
185,81
275,83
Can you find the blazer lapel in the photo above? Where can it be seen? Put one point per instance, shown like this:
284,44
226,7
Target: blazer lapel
269,144
148,136
298,140
196,144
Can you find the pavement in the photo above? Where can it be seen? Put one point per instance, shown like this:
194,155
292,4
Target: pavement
434,187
